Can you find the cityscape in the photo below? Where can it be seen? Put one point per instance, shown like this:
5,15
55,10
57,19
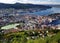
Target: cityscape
30,23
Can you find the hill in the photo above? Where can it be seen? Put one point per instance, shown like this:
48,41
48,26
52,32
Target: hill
21,6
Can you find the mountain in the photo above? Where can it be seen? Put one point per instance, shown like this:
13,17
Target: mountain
21,6
52,5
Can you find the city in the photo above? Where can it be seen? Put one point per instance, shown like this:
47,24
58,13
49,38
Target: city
29,23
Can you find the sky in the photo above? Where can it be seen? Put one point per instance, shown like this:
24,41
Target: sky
31,1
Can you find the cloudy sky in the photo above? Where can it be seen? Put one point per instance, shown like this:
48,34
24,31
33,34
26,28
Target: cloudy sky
31,1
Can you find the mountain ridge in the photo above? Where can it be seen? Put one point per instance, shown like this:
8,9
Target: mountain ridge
22,6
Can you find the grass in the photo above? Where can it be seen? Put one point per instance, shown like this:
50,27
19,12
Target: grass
39,40
9,26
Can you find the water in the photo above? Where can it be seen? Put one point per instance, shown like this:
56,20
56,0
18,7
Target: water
56,22
48,11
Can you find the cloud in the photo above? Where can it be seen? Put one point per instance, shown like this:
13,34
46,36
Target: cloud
7,1
32,1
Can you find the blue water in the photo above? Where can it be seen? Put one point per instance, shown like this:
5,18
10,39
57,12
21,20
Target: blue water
48,11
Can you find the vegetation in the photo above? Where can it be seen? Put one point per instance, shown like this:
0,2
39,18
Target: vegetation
21,37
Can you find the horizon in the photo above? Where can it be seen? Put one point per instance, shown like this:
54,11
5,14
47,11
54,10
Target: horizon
29,3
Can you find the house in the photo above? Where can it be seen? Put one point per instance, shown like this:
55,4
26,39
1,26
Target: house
58,27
